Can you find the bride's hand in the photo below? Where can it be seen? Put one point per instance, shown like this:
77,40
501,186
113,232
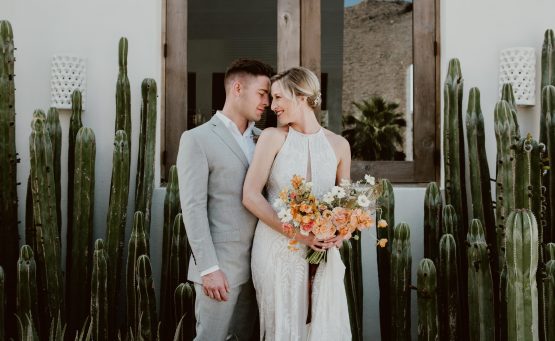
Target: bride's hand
312,242
338,240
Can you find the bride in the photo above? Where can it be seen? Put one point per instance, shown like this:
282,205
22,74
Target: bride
290,308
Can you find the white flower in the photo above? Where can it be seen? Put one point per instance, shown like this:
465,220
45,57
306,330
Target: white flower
308,185
363,201
328,198
285,215
345,183
370,179
278,203
338,192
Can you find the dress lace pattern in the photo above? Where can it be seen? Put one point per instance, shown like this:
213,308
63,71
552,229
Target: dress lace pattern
280,276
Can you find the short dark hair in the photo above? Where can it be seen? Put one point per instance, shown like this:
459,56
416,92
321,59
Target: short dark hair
248,66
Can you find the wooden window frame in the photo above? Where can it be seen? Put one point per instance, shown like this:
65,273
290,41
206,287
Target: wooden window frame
299,31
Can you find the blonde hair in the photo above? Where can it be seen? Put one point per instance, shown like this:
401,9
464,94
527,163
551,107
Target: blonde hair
300,81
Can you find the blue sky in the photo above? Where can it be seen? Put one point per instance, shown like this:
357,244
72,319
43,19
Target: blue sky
351,2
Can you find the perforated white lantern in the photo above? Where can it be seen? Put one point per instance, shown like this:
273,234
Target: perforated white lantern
517,65
68,73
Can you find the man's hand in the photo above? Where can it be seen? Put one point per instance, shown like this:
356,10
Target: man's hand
215,285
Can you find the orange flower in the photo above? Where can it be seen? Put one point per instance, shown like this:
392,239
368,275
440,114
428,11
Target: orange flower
283,195
341,216
382,242
360,219
296,181
382,223
306,208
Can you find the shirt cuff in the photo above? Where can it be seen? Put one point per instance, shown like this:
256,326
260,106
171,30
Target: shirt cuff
210,270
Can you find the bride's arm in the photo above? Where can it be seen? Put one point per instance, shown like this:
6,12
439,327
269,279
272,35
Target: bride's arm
267,147
343,173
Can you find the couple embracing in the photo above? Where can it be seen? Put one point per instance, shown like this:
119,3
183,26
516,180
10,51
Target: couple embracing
245,275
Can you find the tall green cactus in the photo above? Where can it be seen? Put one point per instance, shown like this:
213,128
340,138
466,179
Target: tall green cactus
171,209
453,142
27,301
75,124
44,215
386,211
123,92
9,235
99,293
79,259
432,221
116,220
350,290
449,308
147,149
184,303
522,262
505,172
548,75
138,246
480,285
549,286
482,206
146,300
508,96
55,131
548,105
427,301
401,262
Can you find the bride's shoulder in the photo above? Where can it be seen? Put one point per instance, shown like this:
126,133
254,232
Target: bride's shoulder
272,133
337,141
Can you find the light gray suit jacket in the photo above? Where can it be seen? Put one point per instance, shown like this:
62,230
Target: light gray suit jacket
211,169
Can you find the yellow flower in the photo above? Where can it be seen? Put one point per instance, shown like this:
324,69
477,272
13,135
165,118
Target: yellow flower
382,223
382,242
296,181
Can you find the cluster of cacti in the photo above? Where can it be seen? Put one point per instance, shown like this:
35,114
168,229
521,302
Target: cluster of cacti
350,289
427,301
9,235
401,263
386,211
147,149
79,255
115,226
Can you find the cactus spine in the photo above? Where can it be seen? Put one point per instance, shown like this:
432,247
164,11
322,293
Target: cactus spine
9,235
146,300
44,215
432,221
386,204
79,259
427,301
448,288
138,246
522,262
171,209
55,131
184,298
27,304
350,290
401,262
115,227
480,285
123,92
147,144
99,293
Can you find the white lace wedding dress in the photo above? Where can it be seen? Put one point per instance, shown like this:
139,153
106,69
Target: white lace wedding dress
280,276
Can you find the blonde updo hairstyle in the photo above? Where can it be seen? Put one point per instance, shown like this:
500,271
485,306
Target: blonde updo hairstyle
300,81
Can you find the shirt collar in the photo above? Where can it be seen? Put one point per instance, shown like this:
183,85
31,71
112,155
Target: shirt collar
231,125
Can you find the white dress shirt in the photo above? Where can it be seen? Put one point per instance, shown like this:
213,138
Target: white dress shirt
246,142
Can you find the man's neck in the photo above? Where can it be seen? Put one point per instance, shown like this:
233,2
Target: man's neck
240,121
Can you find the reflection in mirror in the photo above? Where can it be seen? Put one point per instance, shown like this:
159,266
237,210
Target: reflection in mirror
376,95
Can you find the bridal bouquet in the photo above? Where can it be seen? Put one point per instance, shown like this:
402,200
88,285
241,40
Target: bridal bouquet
345,209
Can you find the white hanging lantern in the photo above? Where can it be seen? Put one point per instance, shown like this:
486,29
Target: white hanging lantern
68,74
517,65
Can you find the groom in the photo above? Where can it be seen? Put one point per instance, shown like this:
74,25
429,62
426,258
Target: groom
212,163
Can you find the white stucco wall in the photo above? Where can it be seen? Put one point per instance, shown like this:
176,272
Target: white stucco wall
474,31
89,29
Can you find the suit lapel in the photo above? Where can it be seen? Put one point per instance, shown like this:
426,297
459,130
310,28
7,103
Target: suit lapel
223,133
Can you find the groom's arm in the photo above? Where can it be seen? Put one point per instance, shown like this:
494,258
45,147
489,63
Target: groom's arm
192,169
